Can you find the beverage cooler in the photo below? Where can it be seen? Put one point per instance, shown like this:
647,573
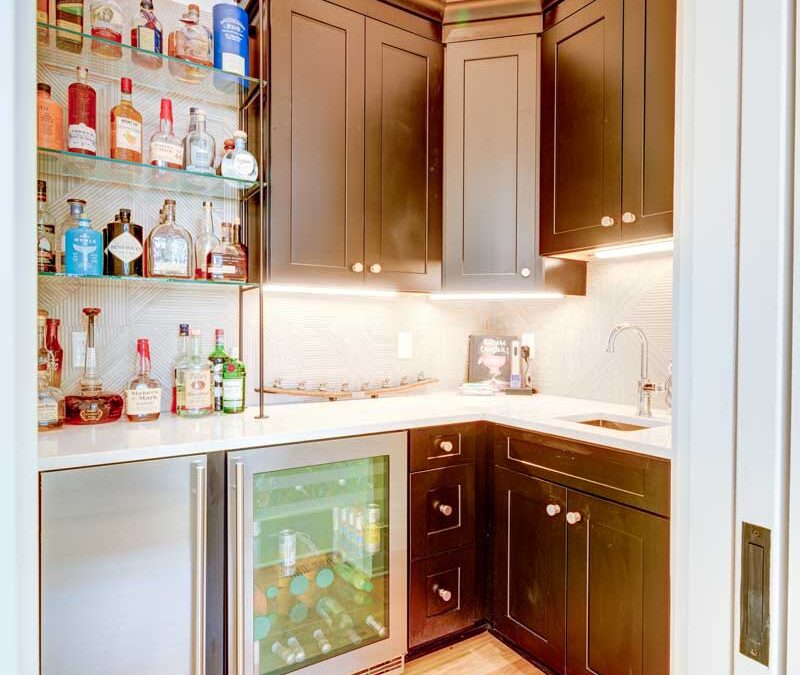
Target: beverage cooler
317,557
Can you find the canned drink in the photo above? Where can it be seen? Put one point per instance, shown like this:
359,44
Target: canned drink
287,550
373,514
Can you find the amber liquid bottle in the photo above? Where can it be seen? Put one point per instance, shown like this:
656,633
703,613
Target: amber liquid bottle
143,395
69,16
54,347
126,126
82,115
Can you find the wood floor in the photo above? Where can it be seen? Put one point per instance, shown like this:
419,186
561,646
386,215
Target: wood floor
480,655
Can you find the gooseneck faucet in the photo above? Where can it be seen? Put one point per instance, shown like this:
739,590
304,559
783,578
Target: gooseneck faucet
645,387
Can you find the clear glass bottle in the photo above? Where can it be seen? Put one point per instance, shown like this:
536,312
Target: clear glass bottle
240,163
148,35
126,126
227,148
166,148
143,395
234,377
46,232
82,115
199,147
77,207
50,405
106,22
194,382
227,262
218,359
171,253
180,354
92,405
191,42
206,242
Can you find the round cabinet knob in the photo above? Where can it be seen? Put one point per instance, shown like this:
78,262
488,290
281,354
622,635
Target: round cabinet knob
375,269
444,509
607,221
553,510
573,517
444,594
525,272
628,217
447,446
358,267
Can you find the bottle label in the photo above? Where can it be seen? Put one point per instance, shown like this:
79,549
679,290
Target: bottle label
233,392
47,412
129,134
45,254
197,389
82,137
92,412
50,129
148,39
170,267
244,165
221,270
125,247
143,401
83,255
168,153
233,63
106,21
199,157
41,15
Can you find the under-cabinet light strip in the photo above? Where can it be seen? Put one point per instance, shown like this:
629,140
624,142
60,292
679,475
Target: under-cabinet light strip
634,249
331,290
496,296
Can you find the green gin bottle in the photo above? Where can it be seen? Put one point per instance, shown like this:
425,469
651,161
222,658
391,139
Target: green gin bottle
218,358
233,383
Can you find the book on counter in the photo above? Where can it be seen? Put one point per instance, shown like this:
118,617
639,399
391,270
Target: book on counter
490,358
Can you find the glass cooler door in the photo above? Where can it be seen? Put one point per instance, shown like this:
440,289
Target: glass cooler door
323,579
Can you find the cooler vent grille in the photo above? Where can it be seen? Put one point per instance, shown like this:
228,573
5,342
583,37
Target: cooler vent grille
394,666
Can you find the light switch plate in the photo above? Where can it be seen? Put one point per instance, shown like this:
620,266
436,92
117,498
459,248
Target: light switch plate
405,345
78,349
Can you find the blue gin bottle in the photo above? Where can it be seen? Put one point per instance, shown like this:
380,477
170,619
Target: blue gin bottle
84,250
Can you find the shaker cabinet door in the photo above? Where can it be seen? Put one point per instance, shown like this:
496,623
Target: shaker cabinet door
403,218
317,175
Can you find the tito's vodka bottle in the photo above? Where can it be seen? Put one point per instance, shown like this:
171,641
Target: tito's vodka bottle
194,382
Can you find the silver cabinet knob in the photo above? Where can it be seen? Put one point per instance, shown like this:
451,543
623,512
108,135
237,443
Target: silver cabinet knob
573,517
525,272
444,509
607,221
553,510
375,268
447,446
358,267
628,217
444,594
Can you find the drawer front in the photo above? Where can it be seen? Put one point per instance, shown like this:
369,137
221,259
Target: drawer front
442,597
625,477
437,447
441,510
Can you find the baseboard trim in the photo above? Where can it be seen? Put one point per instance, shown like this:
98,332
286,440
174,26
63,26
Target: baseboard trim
447,640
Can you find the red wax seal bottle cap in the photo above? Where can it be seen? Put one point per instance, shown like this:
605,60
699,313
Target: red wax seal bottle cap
125,85
166,109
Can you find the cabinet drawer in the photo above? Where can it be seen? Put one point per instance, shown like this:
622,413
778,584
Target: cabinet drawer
437,447
442,510
442,597
625,477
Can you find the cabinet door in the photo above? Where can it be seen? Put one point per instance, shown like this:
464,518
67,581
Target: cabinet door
649,129
403,219
581,166
529,564
123,568
490,142
617,590
317,173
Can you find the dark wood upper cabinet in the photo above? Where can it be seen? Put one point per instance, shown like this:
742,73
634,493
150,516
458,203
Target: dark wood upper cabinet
403,224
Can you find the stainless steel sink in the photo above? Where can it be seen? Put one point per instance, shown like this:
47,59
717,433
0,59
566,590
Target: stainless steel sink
616,422
611,424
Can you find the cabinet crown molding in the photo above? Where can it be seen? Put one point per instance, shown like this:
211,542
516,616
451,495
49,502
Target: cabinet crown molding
465,11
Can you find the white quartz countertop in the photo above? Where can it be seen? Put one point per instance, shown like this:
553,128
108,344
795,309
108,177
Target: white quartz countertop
73,447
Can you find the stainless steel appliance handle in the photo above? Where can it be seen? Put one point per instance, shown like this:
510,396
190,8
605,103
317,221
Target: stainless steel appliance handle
238,568
200,568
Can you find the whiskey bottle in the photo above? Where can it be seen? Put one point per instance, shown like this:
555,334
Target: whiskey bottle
206,242
194,382
143,395
106,21
199,147
69,18
218,360
165,148
193,43
92,405
147,36
82,115
50,404
123,252
227,261
126,126
171,253
46,232
49,119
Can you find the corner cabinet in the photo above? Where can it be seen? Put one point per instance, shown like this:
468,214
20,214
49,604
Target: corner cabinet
608,115
356,126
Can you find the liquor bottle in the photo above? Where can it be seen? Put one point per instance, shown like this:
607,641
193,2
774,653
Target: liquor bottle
227,262
126,126
165,147
53,346
82,115
181,354
146,35
143,395
92,405
171,253
124,248
46,232
218,359
76,210
237,238
194,382
233,384
84,250
199,147
105,17
50,405
206,242
49,120
191,42
231,38
43,17
69,17
227,147
240,163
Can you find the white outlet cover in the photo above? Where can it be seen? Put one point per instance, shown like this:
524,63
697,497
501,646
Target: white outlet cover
78,349
405,345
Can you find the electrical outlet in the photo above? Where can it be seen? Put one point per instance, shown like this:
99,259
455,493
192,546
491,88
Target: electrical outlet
78,349
405,345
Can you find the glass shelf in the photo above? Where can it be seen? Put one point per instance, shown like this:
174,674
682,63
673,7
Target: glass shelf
149,280
107,170
218,87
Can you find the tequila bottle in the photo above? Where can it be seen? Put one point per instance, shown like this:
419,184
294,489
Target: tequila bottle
106,22
170,251
143,395
191,42
46,231
194,382
50,404
218,359
92,405
227,262
165,148
240,163
206,242
233,383
199,147
147,35
76,210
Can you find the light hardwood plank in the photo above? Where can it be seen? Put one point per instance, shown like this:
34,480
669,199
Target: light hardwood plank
480,655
